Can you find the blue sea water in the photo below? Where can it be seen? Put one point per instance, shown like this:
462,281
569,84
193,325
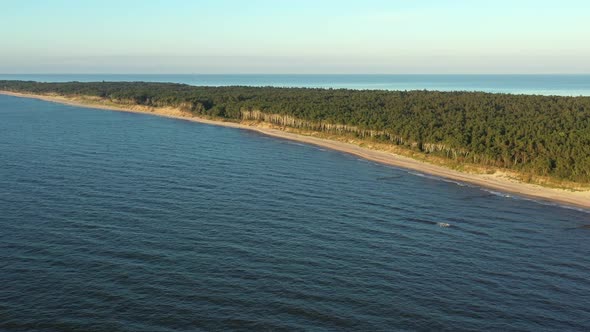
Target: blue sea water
128,222
565,85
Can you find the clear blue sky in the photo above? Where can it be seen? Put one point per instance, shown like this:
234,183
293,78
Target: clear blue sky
299,36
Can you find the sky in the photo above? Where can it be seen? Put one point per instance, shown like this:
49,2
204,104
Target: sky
295,36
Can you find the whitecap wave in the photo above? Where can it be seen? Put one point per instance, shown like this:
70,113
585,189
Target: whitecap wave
295,143
498,193
438,178
538,201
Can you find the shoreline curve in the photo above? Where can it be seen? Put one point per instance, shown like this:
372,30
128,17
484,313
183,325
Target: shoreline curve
580,199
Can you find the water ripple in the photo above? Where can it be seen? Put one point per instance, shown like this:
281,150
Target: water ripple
119,222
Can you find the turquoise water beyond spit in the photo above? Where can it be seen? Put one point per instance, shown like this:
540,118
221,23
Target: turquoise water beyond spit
129,222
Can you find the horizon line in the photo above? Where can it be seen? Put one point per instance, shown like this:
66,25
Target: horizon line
309,74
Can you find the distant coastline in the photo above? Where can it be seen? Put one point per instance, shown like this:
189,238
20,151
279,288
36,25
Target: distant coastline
536,84
493,181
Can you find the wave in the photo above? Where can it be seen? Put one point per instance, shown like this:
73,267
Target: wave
553,204
498,193
295,143
438,178
393,177
429,222
538,201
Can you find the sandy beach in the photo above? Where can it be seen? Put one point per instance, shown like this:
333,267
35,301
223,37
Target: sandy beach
492,181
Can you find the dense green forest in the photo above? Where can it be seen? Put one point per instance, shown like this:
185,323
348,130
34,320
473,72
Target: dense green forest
540,135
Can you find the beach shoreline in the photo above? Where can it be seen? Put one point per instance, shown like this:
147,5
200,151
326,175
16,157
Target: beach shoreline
491,181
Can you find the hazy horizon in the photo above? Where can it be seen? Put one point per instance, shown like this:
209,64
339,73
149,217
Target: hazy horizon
321,37
289,74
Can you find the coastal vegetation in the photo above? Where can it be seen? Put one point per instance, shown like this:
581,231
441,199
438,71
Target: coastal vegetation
546,136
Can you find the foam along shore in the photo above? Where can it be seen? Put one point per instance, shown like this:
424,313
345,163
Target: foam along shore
493,181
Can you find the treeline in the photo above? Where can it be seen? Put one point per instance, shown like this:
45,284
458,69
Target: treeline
539,135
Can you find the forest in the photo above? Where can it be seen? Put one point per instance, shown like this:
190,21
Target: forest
533,134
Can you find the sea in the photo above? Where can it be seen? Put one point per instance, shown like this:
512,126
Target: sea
114,221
